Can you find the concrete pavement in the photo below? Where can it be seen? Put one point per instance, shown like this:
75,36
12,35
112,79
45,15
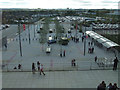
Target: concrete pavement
59,79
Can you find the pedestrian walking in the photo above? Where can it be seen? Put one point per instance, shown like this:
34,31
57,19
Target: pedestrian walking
115,64
64,53
41,69
38,65
71,37
102,86
82,34
89,50
88,43
33,68
91,43
5,45
95,58
19,66
82,38
72,62
61,53
115,87
92,49
74,38
110,86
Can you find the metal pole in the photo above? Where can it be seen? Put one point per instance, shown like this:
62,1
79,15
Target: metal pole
34,29
29,33
20,39
76,30
85,42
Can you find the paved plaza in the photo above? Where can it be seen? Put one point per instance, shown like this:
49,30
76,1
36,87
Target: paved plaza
59,79
59,72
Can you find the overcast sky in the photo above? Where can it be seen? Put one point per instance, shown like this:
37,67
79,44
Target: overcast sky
60,4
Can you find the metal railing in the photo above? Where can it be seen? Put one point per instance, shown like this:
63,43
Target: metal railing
101,64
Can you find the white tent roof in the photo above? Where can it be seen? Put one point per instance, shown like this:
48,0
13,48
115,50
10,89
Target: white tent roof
104,41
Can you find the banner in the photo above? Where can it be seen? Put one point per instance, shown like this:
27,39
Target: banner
24,27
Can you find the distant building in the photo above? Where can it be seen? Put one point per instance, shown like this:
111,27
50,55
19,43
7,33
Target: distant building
115,12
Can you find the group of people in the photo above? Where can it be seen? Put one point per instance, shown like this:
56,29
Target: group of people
75,39
18,67
39,68
102,86
90,47
64,53
115,64
73,62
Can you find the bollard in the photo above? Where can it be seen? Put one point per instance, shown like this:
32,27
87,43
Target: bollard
26,39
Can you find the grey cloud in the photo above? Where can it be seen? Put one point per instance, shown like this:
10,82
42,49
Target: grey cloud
21,2
87,4
109,2
81,1
5,2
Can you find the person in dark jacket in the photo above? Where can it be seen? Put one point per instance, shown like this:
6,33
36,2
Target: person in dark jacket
19,66
64,53
115,87
115,64
38,65
102,86
110,86
95,58
33,68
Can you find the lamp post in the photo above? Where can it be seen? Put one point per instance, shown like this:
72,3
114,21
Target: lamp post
29,33
19,37
34,29
85,40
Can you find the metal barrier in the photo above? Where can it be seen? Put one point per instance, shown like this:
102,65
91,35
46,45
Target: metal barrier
101,64
104,62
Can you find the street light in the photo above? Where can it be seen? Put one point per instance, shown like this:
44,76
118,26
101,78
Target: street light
85,40
34,29
28,32
19,36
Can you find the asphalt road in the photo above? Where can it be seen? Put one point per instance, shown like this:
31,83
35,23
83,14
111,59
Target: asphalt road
10,32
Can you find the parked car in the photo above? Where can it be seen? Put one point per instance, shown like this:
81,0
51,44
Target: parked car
38,31
64,41
48,50
51,41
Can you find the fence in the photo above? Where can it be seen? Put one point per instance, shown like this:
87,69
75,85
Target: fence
104,62
101,64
